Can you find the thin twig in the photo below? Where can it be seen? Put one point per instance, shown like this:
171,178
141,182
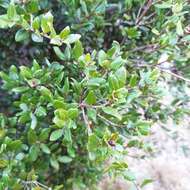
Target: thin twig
83,104
43,186
28,184
146,47
145,64
174,74
146,8
86,121
110,122
139,12
150,16
136,185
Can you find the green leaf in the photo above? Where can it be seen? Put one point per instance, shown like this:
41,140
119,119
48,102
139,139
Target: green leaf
146,182
186,38
129,176
66,86
44,134
57,134
25,72
67,52
84,7
96,82
64,159
62,114
3,163
143,127
71,151
21,35
121,75
164,5
32,137
59,53
33,153
67,134
93,143
118,62
72,38
54,163
65,32
58,122
20,89
92,114
112,111
5,22
179,28
32,6
33,122
133,95
72,124
15,145
73,113
37,38
113,82
78,50
36,23
59,104
49,17
56,41
2,133
91,98
44,25
11,11
59,187
24,107
45,148
132,33
120,166
102,56
133,80
45,92
25,117
40,112
177,8
114,50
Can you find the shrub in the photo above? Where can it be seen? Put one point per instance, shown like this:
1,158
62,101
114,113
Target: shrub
68,115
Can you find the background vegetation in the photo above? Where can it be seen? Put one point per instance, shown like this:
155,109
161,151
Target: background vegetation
79,79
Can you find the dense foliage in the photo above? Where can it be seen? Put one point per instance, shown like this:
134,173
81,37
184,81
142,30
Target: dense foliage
82,80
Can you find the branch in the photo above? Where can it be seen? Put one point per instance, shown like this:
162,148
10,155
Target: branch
83,104
146,8
110,122
174,74
148,48
86,121
34,183
136,186
145,64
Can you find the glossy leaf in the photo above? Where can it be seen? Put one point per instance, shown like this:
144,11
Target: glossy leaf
55,135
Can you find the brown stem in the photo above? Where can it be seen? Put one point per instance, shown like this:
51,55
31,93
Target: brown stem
136,186
146,8
174,74
145,64
86,121
109,122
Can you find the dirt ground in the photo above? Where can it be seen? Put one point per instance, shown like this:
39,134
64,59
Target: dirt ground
168,166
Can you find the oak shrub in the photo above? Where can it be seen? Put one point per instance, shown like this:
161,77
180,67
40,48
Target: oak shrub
89,89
